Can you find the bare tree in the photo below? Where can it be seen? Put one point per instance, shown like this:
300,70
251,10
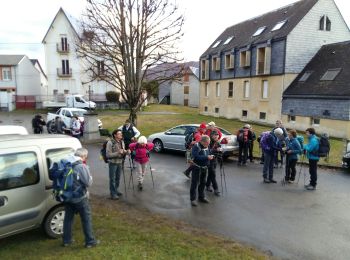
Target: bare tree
123,39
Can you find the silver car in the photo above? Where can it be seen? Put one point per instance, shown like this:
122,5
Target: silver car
174,139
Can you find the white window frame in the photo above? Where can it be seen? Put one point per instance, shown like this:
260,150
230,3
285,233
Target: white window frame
228,90
6,74
228,40
217,89
279,25
216,44
246,89
265,89
259,31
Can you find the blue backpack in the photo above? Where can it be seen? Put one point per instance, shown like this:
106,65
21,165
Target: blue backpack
64,180
300,139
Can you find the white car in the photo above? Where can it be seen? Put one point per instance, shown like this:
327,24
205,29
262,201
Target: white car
13,130
174,139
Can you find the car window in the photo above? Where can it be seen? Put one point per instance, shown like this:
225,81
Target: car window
78,113
180,130
224,132
58,111
18,170
55,155
190,129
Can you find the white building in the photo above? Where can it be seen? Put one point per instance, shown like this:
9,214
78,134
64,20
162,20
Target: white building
20,82
65,72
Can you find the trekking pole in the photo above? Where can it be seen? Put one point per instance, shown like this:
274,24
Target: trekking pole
131,179
124,178
301,166
223,175
283,181
150,168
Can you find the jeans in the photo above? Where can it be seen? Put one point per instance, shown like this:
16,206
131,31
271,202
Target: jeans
83,208
242,153
114,177
268,165
199,176
290,169
313,172
212,176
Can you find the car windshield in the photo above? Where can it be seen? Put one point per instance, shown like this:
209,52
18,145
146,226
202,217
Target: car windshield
78,113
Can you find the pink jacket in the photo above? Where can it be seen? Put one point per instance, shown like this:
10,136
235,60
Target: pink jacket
141,151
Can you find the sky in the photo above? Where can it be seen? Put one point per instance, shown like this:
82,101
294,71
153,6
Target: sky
22,29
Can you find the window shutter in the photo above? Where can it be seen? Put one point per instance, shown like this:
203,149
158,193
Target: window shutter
232,61
247,59
267,63
218,63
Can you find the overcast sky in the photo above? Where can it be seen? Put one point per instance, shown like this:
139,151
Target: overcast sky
24,23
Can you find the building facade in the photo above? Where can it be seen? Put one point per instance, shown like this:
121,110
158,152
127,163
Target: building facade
245,71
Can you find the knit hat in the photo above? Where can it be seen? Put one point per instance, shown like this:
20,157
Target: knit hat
278,131
203,126
247,126
211,123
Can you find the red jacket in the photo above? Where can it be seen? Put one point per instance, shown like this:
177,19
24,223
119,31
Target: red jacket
141,151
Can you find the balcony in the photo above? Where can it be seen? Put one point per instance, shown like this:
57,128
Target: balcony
64,74
62,48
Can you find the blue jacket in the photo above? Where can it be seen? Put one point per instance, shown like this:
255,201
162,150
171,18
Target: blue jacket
312,148
200,155
294,146
274,144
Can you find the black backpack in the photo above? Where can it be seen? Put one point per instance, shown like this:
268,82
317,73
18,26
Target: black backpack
103,152
324,146
189,139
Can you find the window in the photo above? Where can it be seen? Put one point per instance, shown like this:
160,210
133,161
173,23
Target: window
215,65
178,130
229,61
66,91
246,89
262,116
64,44
206,90
216,44
55,155
263,60
325,23
204,69
330,74
279,25
228,40
244,59
65,67
291,119
217,89
186,77
315,121
6,74
18,170
305,76
244,113
259,31
217,110
186,90
265,89
230,89
55,92
100,67
205,109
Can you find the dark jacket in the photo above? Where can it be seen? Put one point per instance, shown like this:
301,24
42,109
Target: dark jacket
274,144
200,155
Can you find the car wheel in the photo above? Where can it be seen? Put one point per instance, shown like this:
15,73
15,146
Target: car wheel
53,223
158,146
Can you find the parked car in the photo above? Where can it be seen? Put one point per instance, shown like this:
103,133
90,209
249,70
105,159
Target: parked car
26,200
174,139
13,130
77,101
346,157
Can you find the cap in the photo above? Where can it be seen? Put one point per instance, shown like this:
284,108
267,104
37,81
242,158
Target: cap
203,126
278,131
211,123
247,126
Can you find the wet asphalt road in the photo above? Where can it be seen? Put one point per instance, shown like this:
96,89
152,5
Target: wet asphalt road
287,221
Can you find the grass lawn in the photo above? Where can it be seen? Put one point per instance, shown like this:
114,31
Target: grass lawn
128,233
149,124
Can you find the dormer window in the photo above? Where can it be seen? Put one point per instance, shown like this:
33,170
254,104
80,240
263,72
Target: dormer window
305,76
259,31
279,25
325,23
330,74
228,40
216,44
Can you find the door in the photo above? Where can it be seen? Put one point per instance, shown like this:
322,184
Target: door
175,138
22,190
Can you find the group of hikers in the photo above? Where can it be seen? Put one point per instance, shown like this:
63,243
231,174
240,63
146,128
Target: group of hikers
57,126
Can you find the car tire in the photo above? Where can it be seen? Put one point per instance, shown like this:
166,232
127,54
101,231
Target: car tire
158,146
53,223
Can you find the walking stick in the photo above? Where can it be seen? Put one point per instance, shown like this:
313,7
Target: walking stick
301,166
223,176
124,179
283,181
150,168
131,179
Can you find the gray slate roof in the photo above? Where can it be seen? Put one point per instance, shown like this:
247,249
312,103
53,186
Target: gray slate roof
331,56
10,60
243,32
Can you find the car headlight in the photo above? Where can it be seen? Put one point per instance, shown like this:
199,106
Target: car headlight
347,155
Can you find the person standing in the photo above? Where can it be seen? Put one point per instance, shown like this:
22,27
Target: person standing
115,151
141,150
201,158
311,150
216,150
59,126
76,127
292,151
130,133
79,204
37,123
282,142
244,137
269,144
212,127
251,145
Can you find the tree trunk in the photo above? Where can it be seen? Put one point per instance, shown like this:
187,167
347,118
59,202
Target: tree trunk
133,117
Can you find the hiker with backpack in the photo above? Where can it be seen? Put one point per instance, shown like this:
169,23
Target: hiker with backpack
251,145
211,126
76,127
216,150
141,150
115,152
201,159
37,123
196,138
244,137
292,150
79,202
130,133
281,143
270,144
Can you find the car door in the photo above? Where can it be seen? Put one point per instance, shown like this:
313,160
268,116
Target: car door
67,117
22,189
175,138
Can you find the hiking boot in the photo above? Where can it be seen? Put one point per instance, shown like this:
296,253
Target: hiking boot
204,200
90,245
266,180
115,197
194,203
187,174
119,193
290,182
209,189
139,186
310,187
272,181
217,193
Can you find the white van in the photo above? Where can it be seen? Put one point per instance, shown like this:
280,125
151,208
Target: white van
26,199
